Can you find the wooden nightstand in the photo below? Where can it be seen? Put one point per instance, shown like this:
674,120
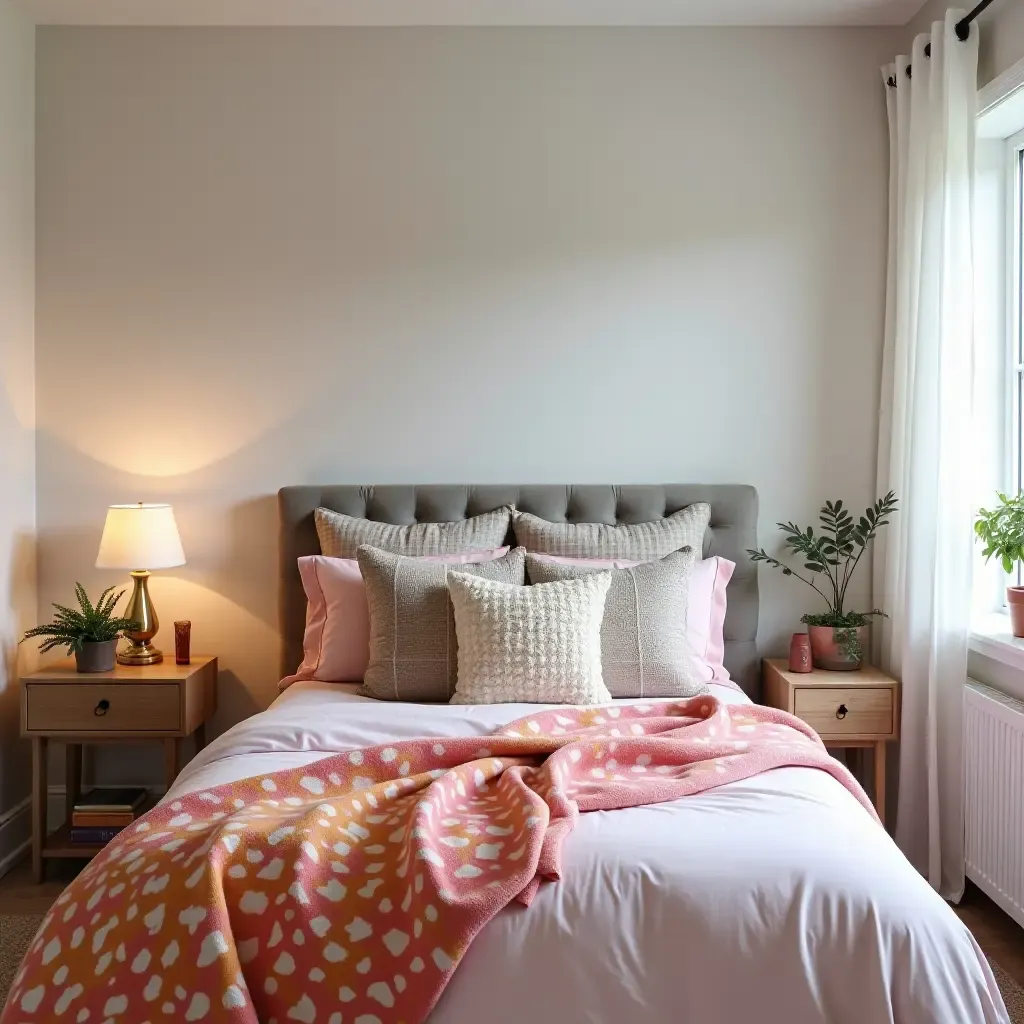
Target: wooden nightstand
846,709
163,703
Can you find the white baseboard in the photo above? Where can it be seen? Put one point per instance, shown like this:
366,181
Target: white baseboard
54,807
1000,899
15,834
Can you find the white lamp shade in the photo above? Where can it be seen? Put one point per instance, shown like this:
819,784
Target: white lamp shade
140,537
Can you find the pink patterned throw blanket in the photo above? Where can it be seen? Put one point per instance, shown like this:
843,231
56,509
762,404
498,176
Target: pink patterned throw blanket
348,891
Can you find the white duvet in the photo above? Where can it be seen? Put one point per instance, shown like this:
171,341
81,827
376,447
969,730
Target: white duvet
772,899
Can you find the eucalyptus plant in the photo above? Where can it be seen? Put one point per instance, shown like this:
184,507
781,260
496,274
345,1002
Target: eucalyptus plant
73,628
831,557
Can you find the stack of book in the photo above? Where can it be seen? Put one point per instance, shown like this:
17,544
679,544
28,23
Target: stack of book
101,813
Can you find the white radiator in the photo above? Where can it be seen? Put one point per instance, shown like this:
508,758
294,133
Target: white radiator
994,791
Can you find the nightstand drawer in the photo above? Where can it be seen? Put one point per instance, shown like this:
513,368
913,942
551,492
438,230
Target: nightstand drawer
869,710
80,708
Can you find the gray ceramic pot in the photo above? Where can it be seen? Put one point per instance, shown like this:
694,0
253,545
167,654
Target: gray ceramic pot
97,656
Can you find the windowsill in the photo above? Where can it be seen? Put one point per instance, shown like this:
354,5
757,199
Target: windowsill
991,636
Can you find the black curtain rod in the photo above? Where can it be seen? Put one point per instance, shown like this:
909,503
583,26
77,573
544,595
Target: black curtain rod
963,30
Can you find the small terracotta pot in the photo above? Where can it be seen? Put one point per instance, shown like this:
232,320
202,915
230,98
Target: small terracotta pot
1015,599
800,653
96,656
825,651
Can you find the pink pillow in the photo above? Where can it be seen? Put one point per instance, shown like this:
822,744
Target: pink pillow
705,616
336,644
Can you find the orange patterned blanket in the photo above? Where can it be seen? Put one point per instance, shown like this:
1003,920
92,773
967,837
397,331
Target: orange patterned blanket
350,889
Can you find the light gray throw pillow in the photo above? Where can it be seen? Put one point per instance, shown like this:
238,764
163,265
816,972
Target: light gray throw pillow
413,646
645,651
532,644
341,535
641,542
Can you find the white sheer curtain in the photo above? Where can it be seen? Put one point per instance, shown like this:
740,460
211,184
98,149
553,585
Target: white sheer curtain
922,575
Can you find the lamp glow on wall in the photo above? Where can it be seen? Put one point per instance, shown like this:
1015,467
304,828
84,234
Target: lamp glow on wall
135,536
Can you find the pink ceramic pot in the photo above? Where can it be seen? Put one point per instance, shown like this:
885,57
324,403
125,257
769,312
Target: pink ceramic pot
1015,599
825,651
800,653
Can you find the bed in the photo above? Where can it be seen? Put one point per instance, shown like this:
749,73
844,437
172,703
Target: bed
777,897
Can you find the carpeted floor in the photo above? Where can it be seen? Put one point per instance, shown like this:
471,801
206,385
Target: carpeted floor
16,933
1013,994
18,930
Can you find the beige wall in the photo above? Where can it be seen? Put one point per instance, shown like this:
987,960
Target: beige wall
271,257
17,403
1001,43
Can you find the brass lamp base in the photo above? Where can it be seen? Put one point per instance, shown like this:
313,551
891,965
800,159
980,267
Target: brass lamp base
140,650
140,654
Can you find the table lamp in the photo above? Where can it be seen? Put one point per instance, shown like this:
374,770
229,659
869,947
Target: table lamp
134,536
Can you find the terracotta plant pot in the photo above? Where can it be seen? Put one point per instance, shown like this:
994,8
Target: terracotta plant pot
1015,599
97,657
825,652
800,653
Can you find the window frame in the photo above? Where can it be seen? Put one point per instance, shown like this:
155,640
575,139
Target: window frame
999,269
1014,321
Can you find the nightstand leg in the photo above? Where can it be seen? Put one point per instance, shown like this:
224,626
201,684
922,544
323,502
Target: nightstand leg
38,805
72,779
200,736
172,760
880,753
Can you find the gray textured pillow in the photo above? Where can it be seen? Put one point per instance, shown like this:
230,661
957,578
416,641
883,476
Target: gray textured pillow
341,535
644,647
641,542
413,647
533,644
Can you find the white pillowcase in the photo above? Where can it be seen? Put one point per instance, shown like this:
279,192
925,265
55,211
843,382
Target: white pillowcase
539,644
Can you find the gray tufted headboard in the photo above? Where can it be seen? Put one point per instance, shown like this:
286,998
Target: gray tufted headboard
733,529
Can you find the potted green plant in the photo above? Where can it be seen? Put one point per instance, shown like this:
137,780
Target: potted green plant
1002,533
91,633
838,636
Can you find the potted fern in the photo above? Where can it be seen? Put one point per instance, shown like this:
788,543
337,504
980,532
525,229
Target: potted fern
1002,533
91,632
838,636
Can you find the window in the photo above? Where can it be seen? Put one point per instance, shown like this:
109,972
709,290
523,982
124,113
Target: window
998,445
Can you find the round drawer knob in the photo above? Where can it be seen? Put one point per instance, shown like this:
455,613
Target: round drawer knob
842,711
102,708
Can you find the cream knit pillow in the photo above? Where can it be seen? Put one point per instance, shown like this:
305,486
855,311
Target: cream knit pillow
539,644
